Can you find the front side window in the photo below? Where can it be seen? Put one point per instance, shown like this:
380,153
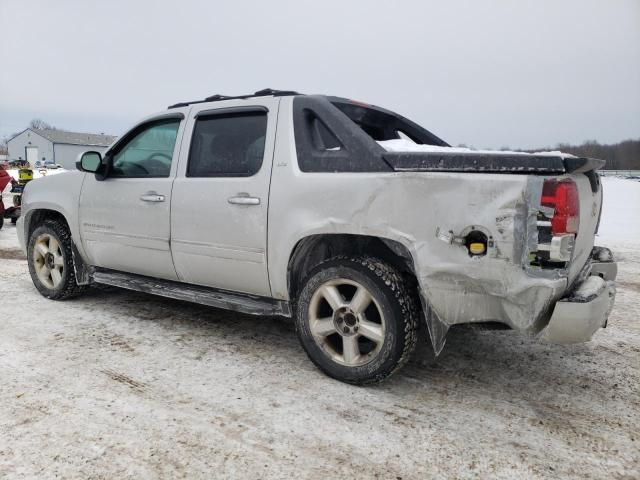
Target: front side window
228,145
149,153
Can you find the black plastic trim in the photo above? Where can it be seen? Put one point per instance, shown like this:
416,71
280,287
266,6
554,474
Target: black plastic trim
214,297
494,163
474,162
225,111
583,164
358,152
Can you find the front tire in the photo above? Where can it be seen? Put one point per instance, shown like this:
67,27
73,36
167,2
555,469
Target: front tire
356,319
50,258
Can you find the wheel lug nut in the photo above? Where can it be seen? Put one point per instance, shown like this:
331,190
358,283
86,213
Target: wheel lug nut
345,329
339,319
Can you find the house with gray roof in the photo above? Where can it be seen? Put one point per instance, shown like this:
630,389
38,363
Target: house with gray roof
56,146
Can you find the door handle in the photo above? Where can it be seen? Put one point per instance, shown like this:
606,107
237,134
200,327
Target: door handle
244,200
152,197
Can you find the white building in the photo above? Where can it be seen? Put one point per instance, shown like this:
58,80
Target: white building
57,146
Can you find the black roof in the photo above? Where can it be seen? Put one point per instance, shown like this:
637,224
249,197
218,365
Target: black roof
217,97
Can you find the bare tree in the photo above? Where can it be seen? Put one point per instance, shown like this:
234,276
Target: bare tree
4,142
39,124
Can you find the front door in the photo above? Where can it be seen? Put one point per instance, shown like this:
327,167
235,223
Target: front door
124,219
221,195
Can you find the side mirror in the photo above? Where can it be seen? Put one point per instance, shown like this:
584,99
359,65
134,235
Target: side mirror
90,162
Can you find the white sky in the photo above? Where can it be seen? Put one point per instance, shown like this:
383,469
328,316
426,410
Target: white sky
486,73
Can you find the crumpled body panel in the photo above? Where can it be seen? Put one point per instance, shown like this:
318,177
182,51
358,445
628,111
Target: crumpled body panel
411,208
426,212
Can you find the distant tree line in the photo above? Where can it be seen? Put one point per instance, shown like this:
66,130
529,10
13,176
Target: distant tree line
624,155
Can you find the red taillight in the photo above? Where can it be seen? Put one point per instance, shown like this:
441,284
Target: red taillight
562,196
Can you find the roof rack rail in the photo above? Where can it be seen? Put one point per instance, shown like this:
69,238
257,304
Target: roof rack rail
217,97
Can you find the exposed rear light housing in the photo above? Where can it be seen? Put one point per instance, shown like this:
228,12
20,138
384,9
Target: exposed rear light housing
558,222
562,196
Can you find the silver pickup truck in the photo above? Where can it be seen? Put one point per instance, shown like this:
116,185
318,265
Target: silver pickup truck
350,218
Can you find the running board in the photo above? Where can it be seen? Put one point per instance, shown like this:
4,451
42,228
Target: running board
213,297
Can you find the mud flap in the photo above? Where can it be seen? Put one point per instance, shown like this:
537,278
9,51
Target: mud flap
437,328
83,271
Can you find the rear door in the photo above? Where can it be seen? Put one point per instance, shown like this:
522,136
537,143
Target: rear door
221,194
124,219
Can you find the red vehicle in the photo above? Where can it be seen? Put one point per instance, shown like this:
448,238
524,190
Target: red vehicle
5,179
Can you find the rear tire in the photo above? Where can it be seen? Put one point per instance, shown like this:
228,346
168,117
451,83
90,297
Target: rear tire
356,319
50,259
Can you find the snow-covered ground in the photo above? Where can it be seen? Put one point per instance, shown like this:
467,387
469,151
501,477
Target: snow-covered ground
118,384
620,222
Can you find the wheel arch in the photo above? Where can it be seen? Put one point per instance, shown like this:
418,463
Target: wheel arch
313,249
36,217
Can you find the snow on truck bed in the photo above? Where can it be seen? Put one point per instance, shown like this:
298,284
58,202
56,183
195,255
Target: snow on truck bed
403,145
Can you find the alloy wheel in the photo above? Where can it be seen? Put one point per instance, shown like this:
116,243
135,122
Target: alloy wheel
48,260
346,322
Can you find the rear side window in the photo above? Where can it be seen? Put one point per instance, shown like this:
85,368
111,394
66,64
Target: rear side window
228,145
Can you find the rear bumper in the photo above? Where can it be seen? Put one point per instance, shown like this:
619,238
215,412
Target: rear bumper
578,315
